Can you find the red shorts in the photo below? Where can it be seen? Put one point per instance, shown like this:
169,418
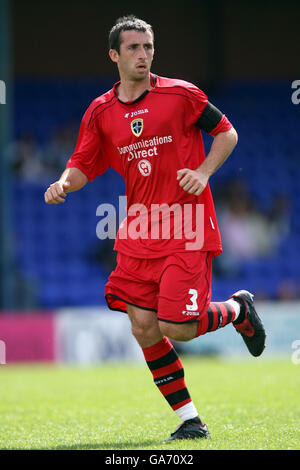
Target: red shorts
177,287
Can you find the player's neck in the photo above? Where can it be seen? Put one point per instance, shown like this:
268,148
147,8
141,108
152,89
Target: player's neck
131,90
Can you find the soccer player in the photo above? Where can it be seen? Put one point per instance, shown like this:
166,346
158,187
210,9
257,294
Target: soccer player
148,128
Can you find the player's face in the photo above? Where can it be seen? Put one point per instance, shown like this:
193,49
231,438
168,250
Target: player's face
136,54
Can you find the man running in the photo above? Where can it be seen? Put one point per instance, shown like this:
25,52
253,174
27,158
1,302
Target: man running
148,128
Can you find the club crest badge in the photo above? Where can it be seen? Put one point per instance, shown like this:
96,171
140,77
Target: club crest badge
145,167
137,127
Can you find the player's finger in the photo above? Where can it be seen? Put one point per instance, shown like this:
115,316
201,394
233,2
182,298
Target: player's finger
58,193
190,183
193,188
56,201
53,202
181,172
59,189
186,179
66,185
48,196
199,191
54,197
49,200
59,199
51,193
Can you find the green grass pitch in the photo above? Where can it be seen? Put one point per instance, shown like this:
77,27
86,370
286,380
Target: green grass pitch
249,404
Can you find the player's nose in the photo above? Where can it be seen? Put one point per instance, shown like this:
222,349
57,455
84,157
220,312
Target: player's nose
142,53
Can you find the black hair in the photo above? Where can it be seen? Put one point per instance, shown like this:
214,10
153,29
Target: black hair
126,23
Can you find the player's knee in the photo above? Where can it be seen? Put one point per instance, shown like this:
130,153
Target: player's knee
144,331
182,332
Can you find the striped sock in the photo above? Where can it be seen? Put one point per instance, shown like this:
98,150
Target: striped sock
218,315
168,374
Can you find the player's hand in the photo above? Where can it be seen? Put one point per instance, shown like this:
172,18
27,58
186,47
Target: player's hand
192,181
56,192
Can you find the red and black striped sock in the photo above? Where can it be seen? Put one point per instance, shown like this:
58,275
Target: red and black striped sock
218,315
168,374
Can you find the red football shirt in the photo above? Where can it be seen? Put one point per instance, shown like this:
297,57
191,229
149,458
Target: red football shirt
147,141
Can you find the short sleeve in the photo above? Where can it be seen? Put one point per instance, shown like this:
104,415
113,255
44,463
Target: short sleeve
223,126
195,104
205,115
87,155
213,121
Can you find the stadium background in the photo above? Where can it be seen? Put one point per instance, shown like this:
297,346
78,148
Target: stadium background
53,61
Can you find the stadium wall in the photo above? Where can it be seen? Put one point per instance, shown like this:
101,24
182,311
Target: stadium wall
28,337
198,40
89,336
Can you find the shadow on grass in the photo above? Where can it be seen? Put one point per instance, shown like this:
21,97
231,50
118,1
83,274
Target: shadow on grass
108,445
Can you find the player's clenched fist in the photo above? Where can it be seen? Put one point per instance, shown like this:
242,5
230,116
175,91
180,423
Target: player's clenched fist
192,181
56,192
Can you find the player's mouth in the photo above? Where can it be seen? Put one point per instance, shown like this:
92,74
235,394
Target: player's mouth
141,67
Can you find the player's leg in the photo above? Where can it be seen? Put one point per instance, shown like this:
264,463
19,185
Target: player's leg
144,326
185,312
130,289
184,298
238,310
214,316
163,362
178,301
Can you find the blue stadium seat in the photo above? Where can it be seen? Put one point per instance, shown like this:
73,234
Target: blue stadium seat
53,242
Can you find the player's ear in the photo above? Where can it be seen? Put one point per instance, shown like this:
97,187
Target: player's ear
114,55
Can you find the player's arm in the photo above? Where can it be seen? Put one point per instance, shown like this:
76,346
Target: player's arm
225,140
86,163
222,146
72,179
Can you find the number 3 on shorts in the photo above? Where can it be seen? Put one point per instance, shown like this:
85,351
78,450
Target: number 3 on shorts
193,306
